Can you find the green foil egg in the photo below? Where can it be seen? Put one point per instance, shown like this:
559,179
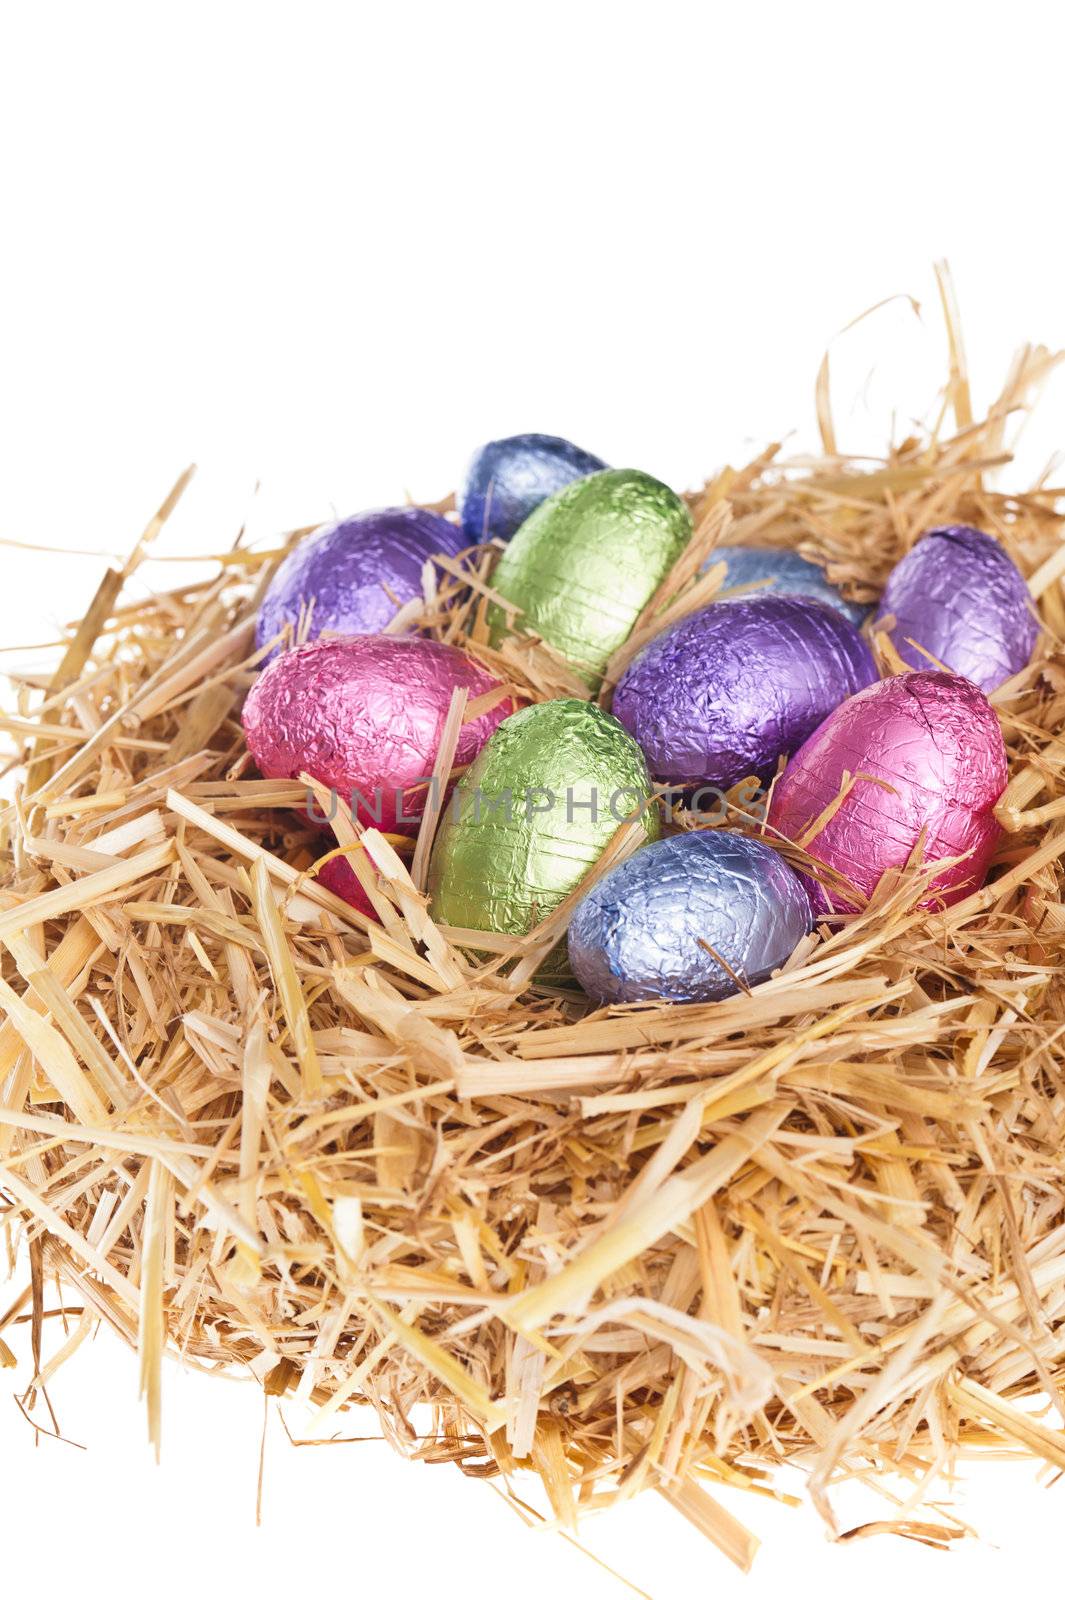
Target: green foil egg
585,563
532,814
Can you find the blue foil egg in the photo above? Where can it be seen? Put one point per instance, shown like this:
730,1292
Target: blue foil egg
783,572
687,917
508,478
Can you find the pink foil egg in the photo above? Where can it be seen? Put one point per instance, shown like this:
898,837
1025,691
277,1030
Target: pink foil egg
929,758
363,715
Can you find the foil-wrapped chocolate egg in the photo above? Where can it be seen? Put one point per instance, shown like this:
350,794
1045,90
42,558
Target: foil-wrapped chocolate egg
353,576
338,877
781,571
692,917
958,595
922,754
508,478
585,563
533,813
363,716
729,689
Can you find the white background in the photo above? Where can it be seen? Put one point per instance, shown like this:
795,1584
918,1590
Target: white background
327,251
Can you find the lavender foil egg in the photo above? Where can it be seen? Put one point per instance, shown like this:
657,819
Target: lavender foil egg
959,596
353,576
728,690
508,478
927,754
782,572
364,716
686,918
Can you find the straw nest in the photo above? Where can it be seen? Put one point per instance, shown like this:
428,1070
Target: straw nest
654,1247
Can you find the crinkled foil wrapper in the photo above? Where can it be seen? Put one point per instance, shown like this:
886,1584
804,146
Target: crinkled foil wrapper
783,572
728,690
357,573
934,742
506,874
508,478
587,561
365,714
959,596
641,932
338,877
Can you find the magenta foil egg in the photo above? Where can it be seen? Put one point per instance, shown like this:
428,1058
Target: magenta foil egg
728,690
363,716
338,877
926,752
960,598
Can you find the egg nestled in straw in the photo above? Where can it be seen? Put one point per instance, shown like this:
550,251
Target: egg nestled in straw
919,760
534,812
728,690
694,917
585,563
363,716
508,478
781,572
354,576
338,876
958,601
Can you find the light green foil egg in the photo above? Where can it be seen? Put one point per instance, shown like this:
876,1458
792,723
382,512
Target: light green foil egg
585,563
532,814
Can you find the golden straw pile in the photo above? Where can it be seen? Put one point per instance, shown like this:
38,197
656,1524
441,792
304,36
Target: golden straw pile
658,1247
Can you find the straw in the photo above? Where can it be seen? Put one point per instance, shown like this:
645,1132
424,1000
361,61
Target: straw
384,1163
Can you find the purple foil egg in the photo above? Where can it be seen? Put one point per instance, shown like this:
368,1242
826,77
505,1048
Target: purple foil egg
364,716
725,692
353,576
926,753
958,594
